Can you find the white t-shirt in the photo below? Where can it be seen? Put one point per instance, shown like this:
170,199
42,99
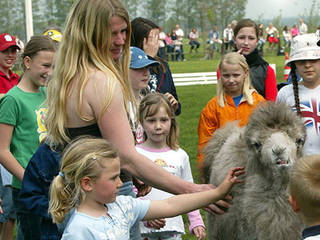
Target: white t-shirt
177,163
310,112
122,214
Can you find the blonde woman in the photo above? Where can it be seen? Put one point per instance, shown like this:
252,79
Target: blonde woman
89,95
235,100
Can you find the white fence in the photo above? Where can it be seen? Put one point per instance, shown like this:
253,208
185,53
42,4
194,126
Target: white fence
198,78
187,79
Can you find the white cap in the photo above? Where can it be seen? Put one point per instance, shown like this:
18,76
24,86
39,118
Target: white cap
304,47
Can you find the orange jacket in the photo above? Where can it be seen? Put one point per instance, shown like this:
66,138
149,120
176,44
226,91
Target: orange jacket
213,116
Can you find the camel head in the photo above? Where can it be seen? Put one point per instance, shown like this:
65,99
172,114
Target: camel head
274,136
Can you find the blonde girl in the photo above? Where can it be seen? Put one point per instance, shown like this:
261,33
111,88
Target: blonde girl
157,118
235,100
89,95
303,97
89,181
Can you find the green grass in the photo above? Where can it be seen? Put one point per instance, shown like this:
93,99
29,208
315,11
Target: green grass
194,98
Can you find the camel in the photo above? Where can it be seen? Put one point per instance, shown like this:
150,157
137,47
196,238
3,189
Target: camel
267,147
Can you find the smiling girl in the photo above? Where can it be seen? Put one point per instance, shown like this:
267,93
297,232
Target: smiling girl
235,100
21,122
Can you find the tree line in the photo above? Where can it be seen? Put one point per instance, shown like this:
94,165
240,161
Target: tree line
202,14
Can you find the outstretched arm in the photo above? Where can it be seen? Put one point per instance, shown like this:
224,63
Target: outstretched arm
173,206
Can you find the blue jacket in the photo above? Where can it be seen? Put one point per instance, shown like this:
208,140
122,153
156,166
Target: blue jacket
39,173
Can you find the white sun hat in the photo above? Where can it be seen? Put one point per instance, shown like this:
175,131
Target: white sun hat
304,47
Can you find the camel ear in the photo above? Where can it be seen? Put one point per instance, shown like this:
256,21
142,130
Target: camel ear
294,204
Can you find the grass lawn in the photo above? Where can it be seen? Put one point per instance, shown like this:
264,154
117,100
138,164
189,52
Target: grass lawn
194,98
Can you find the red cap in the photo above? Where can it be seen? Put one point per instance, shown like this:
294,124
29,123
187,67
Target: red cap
6,41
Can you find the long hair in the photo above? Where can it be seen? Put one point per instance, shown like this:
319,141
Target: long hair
141,28
35,45
150,105
235,58
246,22
85,44
84,157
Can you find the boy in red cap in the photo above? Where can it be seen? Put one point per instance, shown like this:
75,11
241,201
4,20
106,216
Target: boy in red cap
8,56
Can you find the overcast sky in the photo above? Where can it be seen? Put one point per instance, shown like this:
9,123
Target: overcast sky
271,8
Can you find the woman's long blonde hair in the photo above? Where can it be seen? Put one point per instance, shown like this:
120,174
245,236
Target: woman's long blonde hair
84,157
86,44
235,58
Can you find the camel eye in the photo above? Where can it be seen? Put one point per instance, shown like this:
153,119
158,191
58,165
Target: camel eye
300,141
257,145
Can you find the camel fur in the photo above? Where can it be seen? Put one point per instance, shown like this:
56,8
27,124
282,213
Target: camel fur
267,148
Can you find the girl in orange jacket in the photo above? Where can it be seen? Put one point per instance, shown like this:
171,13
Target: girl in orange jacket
235,100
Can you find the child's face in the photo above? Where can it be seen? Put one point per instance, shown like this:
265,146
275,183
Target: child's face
246,40
232,77
309,71
40,68
157,128
8,57
106,187
139,78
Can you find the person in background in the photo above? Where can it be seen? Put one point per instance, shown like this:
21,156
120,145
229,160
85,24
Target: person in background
235,100
145,34
286,33
261,38
303,28
8,79
54,33
21,123
89,180
262,76
8,57
161,146
194,40
228,37
180,34
162,44
294,31
139,75
272,36
304,193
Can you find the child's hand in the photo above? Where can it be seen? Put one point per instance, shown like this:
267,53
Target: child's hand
231,179
172,100
155,223
143,189
199,232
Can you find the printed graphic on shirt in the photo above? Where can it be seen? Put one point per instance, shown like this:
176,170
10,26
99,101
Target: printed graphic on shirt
41,113
310,111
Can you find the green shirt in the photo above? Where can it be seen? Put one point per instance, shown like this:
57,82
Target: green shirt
25,111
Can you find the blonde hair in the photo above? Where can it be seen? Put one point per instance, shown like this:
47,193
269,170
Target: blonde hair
86,43
304,186
150,105
84,157
235,58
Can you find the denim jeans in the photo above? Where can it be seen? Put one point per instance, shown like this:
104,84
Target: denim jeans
127,190
28,224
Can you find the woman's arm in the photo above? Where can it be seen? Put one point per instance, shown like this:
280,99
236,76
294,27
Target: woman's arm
6,157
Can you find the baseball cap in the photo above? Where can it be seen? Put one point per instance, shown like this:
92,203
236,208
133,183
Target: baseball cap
53,34
139,59
304,47
6,41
